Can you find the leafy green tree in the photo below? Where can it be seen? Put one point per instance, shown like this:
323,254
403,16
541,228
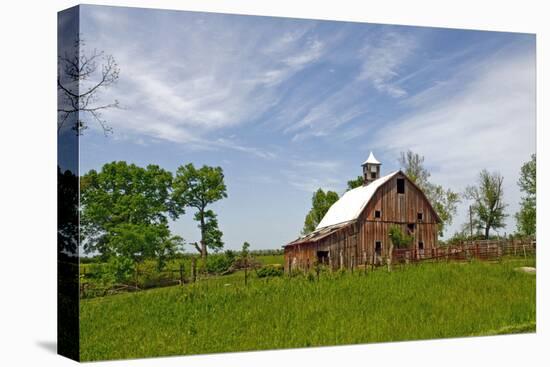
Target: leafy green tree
488,205
320,204
199,188
526,218
444,201
399,238
412,165
125,211
357,182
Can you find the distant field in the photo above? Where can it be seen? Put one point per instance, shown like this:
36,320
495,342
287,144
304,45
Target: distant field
221,315
271,259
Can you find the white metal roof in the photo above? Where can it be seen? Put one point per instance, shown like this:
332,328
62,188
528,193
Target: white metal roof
371,159
352,203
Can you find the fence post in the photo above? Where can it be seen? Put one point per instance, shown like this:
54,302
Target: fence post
317,269
181,274
289,268
194,269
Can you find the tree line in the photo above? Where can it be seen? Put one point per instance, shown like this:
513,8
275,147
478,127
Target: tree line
125,210
486,198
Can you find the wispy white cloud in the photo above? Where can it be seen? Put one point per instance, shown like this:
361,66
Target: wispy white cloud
483,117
210,74
382,59
316,165
312,52
310,184
310,175
209,79
329,113
233,145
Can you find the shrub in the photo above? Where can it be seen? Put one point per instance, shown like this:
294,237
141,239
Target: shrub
120,268
398,238
220,263
275,270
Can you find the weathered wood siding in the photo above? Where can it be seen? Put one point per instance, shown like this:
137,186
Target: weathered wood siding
397,209
355,244
341,247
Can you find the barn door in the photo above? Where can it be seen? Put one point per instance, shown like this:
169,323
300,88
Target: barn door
322,257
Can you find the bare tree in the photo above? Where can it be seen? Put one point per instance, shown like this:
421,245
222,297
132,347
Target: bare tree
488,204
81,76
444,201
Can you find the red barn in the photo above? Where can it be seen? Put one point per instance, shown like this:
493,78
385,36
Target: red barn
355,230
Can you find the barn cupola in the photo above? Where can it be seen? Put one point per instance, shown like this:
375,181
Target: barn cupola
371,169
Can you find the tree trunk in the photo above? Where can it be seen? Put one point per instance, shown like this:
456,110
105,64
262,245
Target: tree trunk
487,232
204,253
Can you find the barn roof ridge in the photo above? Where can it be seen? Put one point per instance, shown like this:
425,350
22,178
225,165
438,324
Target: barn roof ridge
352,203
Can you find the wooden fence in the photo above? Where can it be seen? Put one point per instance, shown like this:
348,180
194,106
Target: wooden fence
468,250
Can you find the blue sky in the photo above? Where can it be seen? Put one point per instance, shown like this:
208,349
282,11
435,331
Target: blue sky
286,106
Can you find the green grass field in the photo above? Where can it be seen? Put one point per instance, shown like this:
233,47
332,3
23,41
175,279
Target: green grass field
222,315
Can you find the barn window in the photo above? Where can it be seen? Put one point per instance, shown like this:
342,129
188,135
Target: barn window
411,227
377,214
378,247
373,175
420,216
421,245
400,185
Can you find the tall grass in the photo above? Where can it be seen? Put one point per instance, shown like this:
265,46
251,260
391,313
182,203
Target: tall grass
222,315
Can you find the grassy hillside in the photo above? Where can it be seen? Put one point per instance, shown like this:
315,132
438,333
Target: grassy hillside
222,315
